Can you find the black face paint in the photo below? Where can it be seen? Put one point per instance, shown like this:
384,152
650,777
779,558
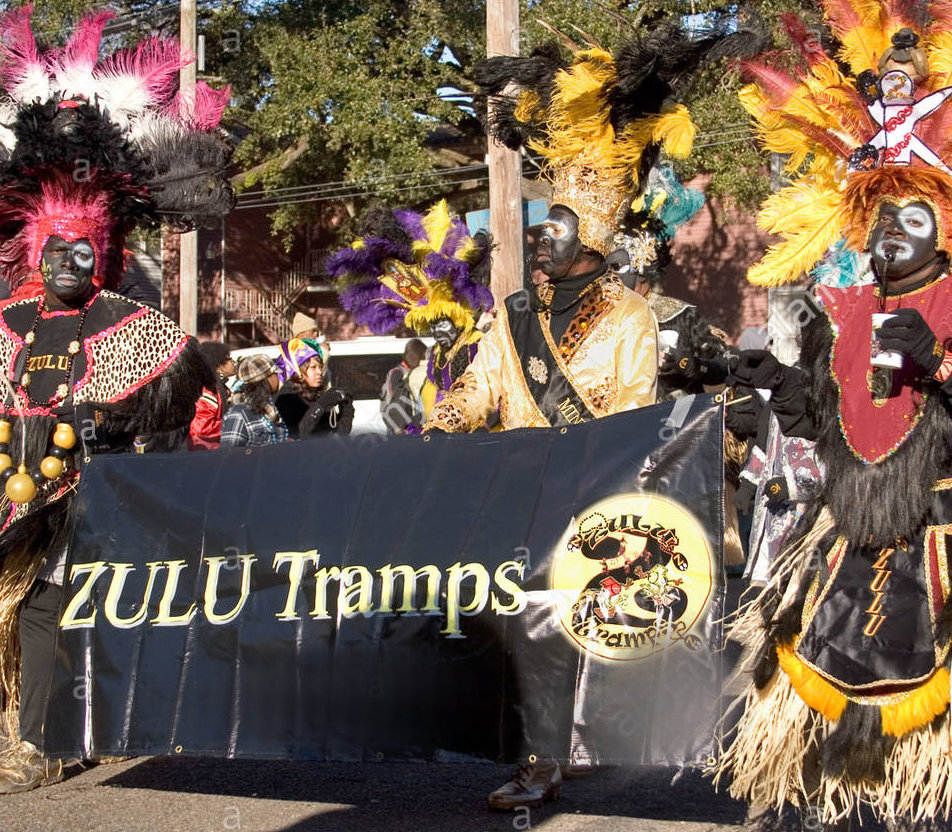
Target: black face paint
903,240
559,244
444,332
68,268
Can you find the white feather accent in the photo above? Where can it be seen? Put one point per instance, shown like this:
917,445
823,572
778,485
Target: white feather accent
32,84
76,80
151,127
124,93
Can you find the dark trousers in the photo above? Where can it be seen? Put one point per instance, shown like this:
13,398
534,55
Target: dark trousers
39,616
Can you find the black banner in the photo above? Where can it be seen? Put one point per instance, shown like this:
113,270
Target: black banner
550,592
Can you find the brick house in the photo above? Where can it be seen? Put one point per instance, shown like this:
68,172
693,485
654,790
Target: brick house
264,285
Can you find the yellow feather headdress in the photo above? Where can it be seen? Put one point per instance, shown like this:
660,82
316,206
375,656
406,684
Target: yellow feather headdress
879,131
600,121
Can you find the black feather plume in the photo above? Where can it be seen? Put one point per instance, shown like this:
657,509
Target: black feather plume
497,109
658,65
186,176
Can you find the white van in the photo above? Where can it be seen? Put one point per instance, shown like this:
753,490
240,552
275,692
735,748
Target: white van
358,367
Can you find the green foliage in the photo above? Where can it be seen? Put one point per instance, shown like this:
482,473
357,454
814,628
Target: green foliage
345,95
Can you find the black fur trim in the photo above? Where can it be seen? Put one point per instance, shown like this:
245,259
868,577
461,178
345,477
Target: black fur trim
786,625
661,64
40,530
856,748
765,665
166,402
77,140
380,221
536,72
187,177
497,110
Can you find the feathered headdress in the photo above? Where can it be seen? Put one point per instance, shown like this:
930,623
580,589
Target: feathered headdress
414,269
647,229
868,126
600,122
89,147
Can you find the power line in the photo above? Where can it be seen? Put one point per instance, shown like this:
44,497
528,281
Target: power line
322,198
438,172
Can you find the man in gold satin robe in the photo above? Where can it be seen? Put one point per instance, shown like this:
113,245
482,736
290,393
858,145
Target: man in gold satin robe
577,347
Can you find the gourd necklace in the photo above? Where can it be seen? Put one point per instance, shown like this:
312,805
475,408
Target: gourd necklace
20,484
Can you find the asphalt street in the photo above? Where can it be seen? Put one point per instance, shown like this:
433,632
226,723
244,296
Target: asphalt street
162,794
203,795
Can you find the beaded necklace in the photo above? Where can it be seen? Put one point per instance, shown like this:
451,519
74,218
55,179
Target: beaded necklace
62,391
21,484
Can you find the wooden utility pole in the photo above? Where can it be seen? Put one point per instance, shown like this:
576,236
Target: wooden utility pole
188,242
505,166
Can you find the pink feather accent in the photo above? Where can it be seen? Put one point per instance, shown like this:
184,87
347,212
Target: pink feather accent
855,118
155,63
911,13
70,212
18,46
806,42
206,112
820,136
82,49
776,85
941,13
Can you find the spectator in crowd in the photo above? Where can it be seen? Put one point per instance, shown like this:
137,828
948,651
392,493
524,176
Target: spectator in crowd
308,406
219,359
204,433
399,407
255,421
305,327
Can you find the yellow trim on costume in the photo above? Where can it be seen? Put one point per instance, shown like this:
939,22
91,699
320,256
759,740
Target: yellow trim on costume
918,707
421,318
910,710
812,688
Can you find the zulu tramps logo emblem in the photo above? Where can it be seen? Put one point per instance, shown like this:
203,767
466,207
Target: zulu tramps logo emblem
632,576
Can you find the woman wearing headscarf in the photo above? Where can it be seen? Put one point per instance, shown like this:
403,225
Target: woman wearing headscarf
307,404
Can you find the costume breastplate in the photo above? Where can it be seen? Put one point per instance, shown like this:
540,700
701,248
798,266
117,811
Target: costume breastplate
875,426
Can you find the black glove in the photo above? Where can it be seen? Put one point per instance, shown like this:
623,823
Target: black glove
436,430
758,368
776,491
789,404
743,418
330,398
713,371
680,362
909,334
744,496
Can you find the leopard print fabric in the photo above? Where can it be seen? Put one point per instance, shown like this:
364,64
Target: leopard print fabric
136,349
10,341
